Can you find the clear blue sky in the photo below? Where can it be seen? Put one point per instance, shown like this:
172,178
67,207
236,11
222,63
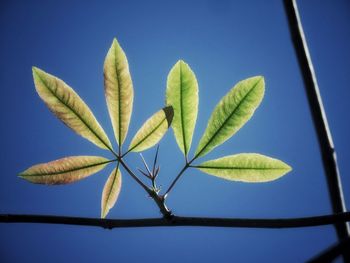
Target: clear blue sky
224,42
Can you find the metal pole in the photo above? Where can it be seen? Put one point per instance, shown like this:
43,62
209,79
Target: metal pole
318,115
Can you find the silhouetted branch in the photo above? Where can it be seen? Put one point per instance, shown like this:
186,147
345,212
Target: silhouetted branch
319,119
179,221
333,252
318,114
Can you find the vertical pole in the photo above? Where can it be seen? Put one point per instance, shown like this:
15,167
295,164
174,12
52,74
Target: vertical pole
318,115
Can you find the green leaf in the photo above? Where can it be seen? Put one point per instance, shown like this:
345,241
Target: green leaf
182,94
152,130
65,170
111,191
246,167
69,108
231,113
118,90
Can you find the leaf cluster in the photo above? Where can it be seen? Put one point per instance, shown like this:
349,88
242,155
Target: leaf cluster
180,112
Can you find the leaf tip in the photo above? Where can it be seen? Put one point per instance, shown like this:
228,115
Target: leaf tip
115,43
288,168
285,169
259,85
21,175
35,70
261,79
182,63
169,114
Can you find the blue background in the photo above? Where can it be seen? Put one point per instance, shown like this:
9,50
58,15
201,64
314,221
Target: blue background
224,42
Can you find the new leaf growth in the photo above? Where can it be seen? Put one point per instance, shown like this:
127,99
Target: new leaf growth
180,112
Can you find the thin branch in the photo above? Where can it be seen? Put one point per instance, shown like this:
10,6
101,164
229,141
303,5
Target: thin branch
155,161
188,164
318,114
145,164
145,187
143,173
176,179
159,200
333,252
179,221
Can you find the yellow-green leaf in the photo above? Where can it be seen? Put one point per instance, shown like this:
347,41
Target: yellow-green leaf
118,90
182,94
231,113
65,170
69,108
246,167
111,191
152,130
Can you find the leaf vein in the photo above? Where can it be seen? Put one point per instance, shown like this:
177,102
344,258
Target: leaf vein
70,170
226,120
74,112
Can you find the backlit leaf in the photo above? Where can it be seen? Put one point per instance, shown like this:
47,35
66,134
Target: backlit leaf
246,167
118,90
182,94
231,113
65,170
152,130
69,108
111,191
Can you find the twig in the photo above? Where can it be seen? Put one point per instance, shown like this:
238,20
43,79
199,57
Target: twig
182,171
159,200
318,114
176,179
145,187
179,221
333,252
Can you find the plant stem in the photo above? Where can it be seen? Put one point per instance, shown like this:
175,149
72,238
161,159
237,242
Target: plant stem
176,179
331,253
318,114
145,187
180,221
158,199
188,164
123,155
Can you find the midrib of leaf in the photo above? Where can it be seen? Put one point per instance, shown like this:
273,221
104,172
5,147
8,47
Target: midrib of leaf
226,120
149,134
110,190
182,114
119,98
75,113
237,168
70,170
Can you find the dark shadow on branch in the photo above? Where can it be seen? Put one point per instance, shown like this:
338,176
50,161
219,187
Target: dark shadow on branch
179,221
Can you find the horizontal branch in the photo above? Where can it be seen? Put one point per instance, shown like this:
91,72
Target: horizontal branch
179,221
